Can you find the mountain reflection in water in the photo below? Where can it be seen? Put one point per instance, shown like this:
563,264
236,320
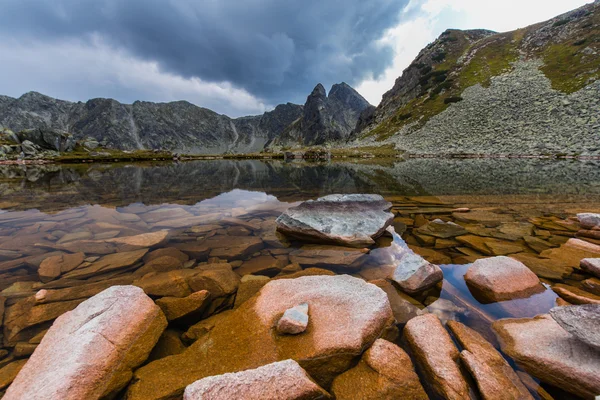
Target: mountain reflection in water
55,187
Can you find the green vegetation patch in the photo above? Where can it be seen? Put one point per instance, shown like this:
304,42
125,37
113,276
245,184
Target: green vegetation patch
492,58
568,64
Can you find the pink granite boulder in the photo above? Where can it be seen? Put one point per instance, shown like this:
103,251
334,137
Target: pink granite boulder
284,380
90,352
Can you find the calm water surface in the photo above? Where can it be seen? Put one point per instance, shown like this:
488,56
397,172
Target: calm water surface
46,209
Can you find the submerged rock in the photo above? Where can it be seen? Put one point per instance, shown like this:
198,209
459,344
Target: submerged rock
108,263
441,229
411,272
501,278
437,357
244,339
89,353
583,322
337,258
384,372
404,307
350,220
284,380
545,350
294,320
53,267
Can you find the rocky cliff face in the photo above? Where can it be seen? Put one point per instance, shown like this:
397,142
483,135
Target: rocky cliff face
531,91
325,119
177,126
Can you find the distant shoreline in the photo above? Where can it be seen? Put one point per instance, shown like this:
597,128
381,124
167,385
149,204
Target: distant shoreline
298,155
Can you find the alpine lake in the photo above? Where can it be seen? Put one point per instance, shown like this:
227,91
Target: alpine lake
68,232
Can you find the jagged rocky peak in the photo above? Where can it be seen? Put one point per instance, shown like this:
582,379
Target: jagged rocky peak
326,118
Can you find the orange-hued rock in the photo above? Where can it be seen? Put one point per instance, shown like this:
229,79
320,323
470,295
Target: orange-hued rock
144,240
346,314
284,380
495,379
437,357
572,252
90,352
53,267
575,295
384,372
164,252
176,308
108,263
501,278
545,350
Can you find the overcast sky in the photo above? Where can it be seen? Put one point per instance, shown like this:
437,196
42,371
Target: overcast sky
237,57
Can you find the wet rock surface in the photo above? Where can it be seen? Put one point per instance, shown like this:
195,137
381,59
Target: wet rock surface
229,248
352,220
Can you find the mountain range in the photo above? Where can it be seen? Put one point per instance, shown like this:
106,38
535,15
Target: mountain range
535,90
183,127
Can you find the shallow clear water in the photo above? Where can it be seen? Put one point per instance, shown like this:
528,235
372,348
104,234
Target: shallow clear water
46,208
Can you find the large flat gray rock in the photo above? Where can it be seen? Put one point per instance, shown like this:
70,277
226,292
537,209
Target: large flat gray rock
351,220
583,322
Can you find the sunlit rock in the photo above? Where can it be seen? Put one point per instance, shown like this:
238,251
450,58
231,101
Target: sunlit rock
283,380
244,339
494,376
384,372
294,320
589,220
91,351
591,265
501,278
438,357
545,350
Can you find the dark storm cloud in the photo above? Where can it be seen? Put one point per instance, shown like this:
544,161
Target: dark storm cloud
276,49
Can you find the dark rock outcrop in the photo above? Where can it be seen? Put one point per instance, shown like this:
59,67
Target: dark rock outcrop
325,119
179,126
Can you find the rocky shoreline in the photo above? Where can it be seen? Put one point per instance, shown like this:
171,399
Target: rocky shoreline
215,302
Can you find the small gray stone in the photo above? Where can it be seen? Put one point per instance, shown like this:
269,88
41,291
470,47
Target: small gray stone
294,320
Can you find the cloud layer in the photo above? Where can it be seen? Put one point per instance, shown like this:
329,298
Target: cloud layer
265,51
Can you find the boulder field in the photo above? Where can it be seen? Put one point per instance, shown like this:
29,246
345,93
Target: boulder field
230,309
